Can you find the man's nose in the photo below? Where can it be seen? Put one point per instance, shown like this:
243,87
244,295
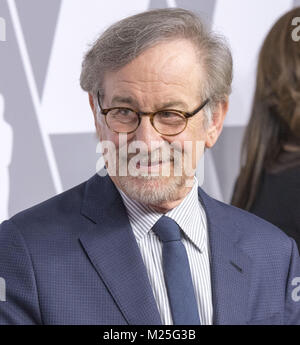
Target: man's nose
147,134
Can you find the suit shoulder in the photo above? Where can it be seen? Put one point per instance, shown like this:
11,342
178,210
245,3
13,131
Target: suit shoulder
250,227
52,213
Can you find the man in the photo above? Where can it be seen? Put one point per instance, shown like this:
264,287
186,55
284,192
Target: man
140,243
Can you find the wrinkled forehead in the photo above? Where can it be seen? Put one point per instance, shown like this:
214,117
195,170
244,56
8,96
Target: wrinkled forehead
168,69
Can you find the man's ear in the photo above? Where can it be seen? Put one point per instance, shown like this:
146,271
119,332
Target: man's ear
94,110
216,125
92,104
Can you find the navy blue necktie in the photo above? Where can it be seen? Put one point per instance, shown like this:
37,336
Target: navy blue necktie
177,273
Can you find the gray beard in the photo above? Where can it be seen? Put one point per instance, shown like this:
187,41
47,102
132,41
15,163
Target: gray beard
150,190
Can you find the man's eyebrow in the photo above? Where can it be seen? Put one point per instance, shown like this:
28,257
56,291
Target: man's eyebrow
174,104
125,100
130,101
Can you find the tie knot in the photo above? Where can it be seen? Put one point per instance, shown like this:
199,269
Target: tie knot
167,229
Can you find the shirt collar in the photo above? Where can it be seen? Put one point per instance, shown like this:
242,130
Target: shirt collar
189,215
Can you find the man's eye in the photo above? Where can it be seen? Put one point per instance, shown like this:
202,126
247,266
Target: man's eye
125,112
167,114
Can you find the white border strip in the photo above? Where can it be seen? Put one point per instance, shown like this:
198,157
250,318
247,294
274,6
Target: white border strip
34,94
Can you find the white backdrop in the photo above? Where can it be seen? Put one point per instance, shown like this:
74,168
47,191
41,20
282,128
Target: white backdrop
47,135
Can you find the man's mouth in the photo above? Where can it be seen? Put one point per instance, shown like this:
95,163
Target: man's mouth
152,167
148,164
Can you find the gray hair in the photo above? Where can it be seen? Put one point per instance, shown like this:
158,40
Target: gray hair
125,40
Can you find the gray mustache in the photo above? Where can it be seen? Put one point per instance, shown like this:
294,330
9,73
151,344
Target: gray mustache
148,158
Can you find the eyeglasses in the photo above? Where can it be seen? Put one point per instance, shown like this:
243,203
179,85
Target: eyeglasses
166,122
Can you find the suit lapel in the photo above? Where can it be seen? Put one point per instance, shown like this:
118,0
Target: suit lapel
110,244
230,266
111,247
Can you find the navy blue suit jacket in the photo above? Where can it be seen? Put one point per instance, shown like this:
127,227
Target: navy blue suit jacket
73,259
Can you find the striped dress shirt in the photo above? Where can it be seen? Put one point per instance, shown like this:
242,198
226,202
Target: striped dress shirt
191,218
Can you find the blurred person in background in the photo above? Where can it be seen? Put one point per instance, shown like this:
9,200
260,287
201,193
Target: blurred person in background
269,180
